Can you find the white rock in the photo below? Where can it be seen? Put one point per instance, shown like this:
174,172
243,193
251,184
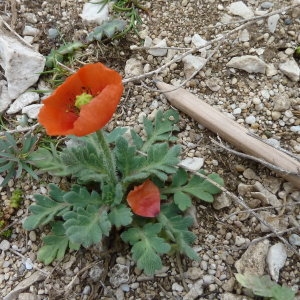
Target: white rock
248,63
239,8
291,69
244,36
192,163
22,101
118,274
29,30
5,99
32,110
213,84
195,291
276,259
159,44
4,245
198,42
191,64
22,64
221,201
272,22
295,128
94,12
250,119
294,239
177,287
253,260
271,70
133,67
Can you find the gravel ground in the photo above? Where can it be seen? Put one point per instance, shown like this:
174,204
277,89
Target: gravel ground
267,104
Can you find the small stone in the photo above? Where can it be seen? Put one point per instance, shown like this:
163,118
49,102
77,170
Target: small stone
95,13
250,120
53,33
29,30
32,236
31,18
239,241
208,279
199,42
161,45
192,163
291,69
195,291
281,102
133,67
27,296
239,8
253,260
272,22
250,174
276,258
295,128
32,110
244,36
221,201
212,84
275,115
271,70
177,287
248,63
266,5
294,239
118,274
193,273
22,101
191,64
4,245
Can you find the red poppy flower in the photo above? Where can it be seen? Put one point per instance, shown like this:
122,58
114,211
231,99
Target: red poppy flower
84,103
144,199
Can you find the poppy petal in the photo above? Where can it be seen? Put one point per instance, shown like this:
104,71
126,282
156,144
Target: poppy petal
58,115
144,199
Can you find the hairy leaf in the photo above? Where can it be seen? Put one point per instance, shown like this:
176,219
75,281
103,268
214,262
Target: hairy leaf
265,287
160,162
201,188
55,244
46,208
162,129
108,29
87,226
147,246
176,228
120,215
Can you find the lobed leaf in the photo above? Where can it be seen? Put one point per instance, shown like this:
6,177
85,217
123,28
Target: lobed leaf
120,215
108,29
147,246
55,244
46,208
87,226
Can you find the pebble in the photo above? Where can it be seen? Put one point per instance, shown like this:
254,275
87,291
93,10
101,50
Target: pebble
294,239
22,101
177,287
266,5
239,8
291,69
193,273
192,163
4,245
53,33
272,22
276,258
248,63
250,120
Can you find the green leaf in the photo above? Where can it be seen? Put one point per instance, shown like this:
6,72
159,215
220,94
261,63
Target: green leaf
46,208
197,186
87,226
115,134
108,29
182,200
176,228
263,286
55,244
161,161
162,129
81,197
120,215
147,246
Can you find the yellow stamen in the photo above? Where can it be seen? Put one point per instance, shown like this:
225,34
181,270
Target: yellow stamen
83,99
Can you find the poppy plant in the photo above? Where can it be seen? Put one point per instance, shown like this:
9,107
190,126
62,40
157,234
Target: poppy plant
84,103
144,199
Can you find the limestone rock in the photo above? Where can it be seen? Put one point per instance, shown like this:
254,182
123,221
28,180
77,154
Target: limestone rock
22,101
22,64
192,163
239,8
118,274
192,63
248,63
253,261
272,22
5,99
32,110
291,69
94,12
221,201
159,44
276,258
133,67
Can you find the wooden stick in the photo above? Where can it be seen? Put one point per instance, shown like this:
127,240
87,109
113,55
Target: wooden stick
231,131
